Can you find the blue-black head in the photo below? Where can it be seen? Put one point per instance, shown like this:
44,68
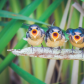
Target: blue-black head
34,30
34,26
54,33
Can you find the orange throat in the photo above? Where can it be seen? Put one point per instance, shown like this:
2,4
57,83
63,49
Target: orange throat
55,35
77,38
34,32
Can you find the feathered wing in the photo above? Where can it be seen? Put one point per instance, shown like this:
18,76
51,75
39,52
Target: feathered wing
42,31
82,30
46,35
27,36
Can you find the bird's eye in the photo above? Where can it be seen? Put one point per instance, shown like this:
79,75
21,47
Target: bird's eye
74,33
81,35
30,29
59,32
52,31
37,28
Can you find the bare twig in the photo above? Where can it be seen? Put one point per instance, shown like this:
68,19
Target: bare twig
63,25
76,62
63,21
75,72
60,68
70,15
47,53
50,71
78,7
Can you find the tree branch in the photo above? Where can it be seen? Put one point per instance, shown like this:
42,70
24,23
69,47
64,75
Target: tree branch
48,53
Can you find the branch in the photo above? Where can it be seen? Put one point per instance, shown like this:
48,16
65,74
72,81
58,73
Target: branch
48,53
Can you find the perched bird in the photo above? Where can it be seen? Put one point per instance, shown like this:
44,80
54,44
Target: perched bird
54,37
76,37
35,35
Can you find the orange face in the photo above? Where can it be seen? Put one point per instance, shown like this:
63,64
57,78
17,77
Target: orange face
55,35
34,32
77,37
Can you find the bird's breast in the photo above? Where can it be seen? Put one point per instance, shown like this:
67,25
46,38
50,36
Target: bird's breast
50,43
35,42
80,44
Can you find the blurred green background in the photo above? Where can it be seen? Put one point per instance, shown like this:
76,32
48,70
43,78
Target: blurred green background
12,31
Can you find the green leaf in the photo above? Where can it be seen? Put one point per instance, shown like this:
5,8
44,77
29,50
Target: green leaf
26,27
2,23
82,0
25,75
2,3
66,35
12,15
10,30
50,10
10,56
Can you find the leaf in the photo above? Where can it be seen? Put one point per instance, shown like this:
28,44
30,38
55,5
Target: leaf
12,15
2,3
21,43
50,10
82,0
26,76
10,30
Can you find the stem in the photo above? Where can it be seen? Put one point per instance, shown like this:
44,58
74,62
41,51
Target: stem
47,53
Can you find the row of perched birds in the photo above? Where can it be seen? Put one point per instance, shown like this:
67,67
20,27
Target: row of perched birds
54,37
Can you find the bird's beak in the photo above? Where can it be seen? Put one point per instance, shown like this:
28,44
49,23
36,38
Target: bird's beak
34,32
77,38
55,35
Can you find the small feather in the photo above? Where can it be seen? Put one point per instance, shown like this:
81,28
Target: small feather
25,39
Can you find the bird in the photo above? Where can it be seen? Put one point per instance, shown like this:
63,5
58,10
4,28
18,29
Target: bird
35,35
76,37
54,37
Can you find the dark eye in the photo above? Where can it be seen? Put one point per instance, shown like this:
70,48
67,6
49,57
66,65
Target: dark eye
59,32
37,28
52,31
81,35
73,33
30,29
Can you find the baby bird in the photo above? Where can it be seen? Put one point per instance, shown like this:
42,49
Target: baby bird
35,35
54,37
76,37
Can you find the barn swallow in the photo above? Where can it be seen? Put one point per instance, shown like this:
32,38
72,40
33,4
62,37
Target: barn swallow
35,35
76,37
54,37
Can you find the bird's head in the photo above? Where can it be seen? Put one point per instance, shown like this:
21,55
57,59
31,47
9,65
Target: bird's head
55,33
75,33
34,30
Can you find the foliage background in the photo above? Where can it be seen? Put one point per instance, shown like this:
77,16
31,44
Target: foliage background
12,32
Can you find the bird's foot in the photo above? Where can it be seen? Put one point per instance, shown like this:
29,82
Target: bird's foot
51,49
59,49
72,50
32,48
42,47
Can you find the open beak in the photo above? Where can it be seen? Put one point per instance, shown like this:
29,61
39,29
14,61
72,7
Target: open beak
55,35
34,32
77,38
